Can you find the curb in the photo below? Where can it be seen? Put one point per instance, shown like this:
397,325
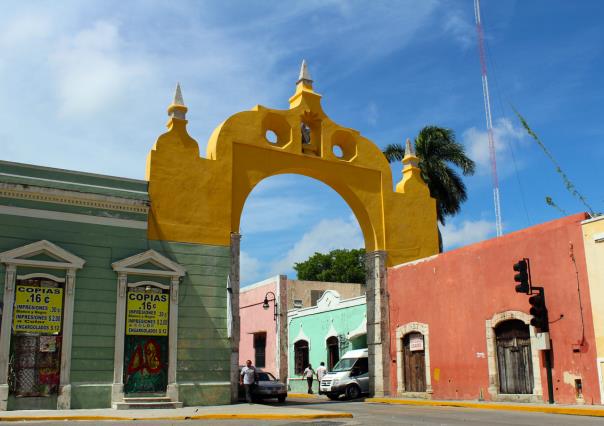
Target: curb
486,406
243,416
302,395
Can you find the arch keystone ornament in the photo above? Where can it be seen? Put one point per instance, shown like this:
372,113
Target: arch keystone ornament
200,199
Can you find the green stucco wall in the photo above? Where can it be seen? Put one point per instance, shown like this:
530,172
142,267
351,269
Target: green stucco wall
203,346
316,327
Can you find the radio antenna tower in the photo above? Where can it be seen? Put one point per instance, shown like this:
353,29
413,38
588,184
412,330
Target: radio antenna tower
487,110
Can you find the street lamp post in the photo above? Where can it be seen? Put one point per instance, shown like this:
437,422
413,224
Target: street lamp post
266,305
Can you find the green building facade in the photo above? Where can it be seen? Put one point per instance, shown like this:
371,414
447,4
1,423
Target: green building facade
323,333
94,314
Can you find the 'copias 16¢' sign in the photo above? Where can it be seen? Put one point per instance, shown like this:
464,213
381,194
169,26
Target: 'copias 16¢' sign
147,314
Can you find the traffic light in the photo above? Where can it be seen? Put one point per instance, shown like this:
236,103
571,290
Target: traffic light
539,312
522,277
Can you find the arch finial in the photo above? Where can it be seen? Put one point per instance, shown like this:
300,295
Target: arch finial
177,108
304,76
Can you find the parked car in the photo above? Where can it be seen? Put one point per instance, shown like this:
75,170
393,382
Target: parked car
350,376
266,386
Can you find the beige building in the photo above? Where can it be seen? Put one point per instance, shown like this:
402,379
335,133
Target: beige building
593,239
304,294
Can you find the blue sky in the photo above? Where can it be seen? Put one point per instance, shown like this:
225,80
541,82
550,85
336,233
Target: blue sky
85,86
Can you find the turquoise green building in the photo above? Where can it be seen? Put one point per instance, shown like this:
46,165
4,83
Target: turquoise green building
95,314
323,333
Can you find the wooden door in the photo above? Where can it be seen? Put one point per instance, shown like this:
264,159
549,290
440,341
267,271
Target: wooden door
333,352
514,363
414,364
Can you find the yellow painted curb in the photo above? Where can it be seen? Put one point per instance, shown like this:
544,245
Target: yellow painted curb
302,395
595,412
217,416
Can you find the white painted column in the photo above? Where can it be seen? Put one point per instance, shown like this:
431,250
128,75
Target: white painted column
117,389
172,391
234,278
64,398
10,276
378,333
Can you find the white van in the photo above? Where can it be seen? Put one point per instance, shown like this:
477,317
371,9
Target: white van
350,376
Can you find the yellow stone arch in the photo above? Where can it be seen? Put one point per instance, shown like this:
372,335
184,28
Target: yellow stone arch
200,200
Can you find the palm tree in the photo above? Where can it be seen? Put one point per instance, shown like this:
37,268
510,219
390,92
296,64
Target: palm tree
436,149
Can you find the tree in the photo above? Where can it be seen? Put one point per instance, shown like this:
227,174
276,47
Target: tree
436,148
343,266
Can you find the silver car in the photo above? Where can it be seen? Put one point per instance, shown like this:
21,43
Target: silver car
266,386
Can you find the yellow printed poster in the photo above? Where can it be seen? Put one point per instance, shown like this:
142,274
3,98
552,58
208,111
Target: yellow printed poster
38,310
147,314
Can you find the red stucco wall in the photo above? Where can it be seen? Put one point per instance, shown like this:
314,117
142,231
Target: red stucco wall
457,291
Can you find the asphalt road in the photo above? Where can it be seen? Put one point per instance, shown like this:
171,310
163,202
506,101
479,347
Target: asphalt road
383,414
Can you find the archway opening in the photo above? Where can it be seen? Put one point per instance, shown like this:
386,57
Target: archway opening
285,220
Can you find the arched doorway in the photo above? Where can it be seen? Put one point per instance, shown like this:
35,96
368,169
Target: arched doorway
514,363
333,352
414,364
300,356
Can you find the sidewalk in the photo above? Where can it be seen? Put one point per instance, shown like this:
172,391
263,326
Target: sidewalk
575,410
221,412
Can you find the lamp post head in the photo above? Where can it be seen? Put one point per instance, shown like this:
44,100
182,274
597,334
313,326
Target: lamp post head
265,303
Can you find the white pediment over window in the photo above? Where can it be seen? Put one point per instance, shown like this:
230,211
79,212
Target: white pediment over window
329,299
302,336
151,263
361,330
43,254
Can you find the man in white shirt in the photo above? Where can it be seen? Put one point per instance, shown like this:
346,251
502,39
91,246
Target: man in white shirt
321,371
247,379
309,375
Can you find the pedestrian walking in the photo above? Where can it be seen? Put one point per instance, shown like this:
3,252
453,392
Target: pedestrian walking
321,371
309,373
248,379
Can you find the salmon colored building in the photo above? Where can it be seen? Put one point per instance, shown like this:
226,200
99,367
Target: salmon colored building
460,331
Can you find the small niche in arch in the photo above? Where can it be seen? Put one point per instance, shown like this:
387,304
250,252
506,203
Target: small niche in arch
276,131
306,133
271,136
337,151
343,145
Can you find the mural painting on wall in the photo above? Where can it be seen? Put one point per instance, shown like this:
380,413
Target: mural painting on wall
34,367
146,344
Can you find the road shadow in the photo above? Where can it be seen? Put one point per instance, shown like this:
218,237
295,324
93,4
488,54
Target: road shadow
310,402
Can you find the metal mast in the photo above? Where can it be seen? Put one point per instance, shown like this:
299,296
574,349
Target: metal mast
487,110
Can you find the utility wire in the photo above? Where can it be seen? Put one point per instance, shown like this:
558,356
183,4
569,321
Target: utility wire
567,182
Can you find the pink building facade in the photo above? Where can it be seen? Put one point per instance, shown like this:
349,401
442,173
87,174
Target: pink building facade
460,331
263,333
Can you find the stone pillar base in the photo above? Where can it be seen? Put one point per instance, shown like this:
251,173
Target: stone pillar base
64,398
3,397
172,392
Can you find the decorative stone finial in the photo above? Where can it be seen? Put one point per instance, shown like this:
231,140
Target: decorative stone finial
304,74
178,109
409,149
411,173
178,100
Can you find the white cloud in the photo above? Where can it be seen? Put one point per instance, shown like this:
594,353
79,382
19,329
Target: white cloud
270,214
92,69
477,144
25,29
327,235
249,267
372,113
468,232
462,30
